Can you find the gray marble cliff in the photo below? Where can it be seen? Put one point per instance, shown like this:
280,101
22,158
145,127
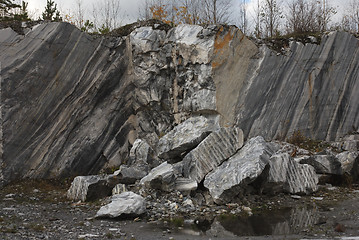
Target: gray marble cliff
73,104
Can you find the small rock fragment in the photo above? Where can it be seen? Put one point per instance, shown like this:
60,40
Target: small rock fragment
295,197
119,188
185,185
88,235
317,198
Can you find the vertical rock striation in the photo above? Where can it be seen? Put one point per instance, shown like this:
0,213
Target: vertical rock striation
64,102
311,89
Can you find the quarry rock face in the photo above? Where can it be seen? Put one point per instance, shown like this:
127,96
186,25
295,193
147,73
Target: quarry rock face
74,104
58,109
304,87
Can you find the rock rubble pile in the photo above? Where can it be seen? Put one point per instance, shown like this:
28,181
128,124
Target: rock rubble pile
215,166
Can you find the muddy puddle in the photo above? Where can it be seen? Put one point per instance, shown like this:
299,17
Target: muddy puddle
280,222
285,221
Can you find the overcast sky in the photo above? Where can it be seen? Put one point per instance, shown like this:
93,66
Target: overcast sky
131,7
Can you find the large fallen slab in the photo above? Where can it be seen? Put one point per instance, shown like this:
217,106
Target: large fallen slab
185,136
211,152
129,175
286,175
232,177
161,178
140,153
349,161
324,163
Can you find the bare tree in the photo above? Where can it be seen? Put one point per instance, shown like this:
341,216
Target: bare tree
325,12
355,14
257,20
217,11
108,14
9,8
350,20
172,10
194,14
144,12
157,9
187,11
271,13
301,17
79,14
242,16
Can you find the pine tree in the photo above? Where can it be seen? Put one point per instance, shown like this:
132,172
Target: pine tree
51,13
24,12
5,6
23,15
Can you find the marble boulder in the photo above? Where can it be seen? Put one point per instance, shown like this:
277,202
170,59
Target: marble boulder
233,176
127,204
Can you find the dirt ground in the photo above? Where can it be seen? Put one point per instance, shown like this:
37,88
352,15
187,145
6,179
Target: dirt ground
39,210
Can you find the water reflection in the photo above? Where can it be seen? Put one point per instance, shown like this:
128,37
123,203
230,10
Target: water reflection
279,222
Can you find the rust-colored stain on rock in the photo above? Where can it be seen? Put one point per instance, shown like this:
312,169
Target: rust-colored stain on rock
221,45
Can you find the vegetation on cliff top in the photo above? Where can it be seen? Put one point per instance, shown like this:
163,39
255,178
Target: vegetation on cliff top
266,19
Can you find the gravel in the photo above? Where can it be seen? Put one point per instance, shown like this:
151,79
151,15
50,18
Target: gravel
39,210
